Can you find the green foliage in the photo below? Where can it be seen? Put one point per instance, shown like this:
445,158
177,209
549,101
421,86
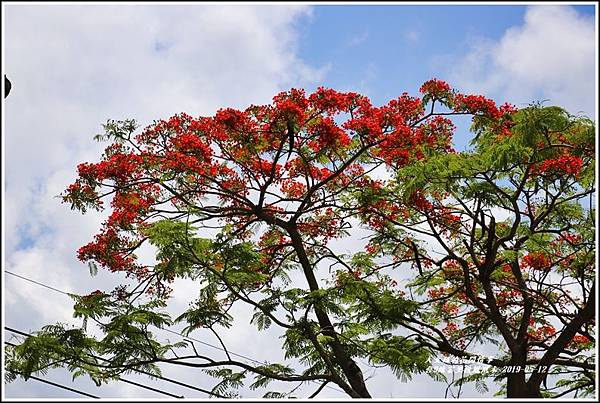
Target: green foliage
269,370
362,261
518,174
424,282
404,356
361,311
117,130
274,395
584,386
52,347
204,313
178,249
229,380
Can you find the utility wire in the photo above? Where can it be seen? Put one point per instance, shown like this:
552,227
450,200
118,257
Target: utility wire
15,331
37,282
58,385
213,346
165,329
118,378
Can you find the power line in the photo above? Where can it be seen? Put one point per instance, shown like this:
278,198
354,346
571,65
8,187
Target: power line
213,346
37,282
58,385
119,378
165,329
63,387
15,331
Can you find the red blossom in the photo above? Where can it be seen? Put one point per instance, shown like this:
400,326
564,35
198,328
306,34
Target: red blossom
106,249
293,188
332,102
420,202
536,260
230,118
450,329
563,165
329,135
579,341
234,154
435,88
477,104
542,333
191,143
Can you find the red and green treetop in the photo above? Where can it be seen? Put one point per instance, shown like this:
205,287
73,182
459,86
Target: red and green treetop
499,245
249,205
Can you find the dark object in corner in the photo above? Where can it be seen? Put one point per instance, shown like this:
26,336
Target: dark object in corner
7,86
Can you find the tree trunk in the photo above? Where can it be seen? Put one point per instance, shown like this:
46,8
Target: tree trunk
516,384
343,359
517,387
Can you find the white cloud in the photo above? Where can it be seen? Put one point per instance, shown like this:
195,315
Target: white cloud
412,36
550,56
75,66
358,39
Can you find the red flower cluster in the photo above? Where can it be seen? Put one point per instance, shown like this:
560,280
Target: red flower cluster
230,118
507,109
106,250
404,110
435,88
542,333
179,162
450,309
437,133
536,260
118,167
368,122
129,207
579,341
572,239
452,270
437,292
228,160
265,168
450,329
292,188
563,165
507,297
322,225
191,143
80,193
328,135
372,247
331,102
394,148
477,105
420,202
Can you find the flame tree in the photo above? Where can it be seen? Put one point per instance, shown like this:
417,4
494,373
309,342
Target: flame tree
499,245
247,203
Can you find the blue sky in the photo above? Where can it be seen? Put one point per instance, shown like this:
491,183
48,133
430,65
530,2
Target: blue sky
73,67
401,43
395,48
384,50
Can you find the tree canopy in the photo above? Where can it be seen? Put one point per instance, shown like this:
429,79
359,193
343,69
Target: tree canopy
491,247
